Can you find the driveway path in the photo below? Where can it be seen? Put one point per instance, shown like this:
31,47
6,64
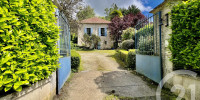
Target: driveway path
101,76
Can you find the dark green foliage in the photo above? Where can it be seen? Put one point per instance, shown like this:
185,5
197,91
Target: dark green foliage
115,13
145,40
92,40
74,38
95,40
128,57
75,60
28,37
131,10
85,13
128,44
123,55
128,34
131,60
185,38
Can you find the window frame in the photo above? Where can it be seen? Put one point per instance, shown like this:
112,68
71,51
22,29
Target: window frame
89,31
103,33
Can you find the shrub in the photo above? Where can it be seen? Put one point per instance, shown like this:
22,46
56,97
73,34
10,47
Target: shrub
145,40
28,37
128,34
123,55
185,40
131,60
75,60
128,57
95,40
86,39
128,44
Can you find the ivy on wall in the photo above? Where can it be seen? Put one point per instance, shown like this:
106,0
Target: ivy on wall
185,38
28,36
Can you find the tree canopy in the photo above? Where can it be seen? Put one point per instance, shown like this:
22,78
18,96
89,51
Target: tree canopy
85,13
131,10
118,24
70,7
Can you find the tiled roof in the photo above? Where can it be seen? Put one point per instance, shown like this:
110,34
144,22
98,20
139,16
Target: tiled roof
95,20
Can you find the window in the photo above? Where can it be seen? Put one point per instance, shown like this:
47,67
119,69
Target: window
105,42
88,31
167,20
102,31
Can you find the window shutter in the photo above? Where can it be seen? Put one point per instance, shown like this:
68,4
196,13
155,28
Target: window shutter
85,30
91,31
105,31
99,31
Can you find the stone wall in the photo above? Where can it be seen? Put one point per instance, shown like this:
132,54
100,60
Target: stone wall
41,90
181,80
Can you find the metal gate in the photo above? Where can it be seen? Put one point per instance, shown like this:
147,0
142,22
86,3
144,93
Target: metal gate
64,50
148,47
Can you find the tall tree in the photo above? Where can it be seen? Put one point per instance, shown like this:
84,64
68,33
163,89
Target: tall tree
118,24
70,8
116,13
108,11
85,13
131,10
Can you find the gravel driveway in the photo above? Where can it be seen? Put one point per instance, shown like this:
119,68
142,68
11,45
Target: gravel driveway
102,75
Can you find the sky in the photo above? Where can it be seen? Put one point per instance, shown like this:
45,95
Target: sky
144,5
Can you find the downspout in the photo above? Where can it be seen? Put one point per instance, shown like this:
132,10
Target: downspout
160,36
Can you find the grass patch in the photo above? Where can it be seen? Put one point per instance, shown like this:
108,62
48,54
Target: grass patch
115,97
80,68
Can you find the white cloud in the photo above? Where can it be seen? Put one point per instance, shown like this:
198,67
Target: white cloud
141,6
100,5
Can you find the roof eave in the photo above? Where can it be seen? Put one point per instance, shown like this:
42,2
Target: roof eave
157,7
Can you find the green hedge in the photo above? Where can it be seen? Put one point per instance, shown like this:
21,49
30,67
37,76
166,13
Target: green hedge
128,57
128,44
28,37
131,60
75,60
145,40
185,38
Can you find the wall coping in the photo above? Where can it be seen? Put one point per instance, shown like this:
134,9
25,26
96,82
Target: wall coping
27,90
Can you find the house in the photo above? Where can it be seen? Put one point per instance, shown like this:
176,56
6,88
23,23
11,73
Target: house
98,27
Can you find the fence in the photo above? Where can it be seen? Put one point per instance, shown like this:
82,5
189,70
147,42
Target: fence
148,46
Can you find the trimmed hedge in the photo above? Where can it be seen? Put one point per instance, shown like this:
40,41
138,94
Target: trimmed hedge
128,44
123,55
131,60
128,57
28,37
75,60
185,38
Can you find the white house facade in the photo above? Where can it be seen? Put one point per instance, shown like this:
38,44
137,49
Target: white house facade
98,27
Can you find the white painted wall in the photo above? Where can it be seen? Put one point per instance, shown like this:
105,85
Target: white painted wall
95,28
